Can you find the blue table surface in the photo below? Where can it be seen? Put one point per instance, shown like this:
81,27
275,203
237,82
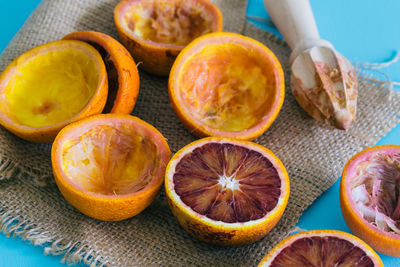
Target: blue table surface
362,30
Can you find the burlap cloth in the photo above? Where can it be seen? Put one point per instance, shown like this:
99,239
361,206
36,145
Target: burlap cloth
314,154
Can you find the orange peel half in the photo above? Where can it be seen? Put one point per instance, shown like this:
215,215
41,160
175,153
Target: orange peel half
227,85
50,86
122,73
369,197
155,31
109,166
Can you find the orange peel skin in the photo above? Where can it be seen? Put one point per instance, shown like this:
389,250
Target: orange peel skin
317,253
121,69
219,232
242,95
221,235
387,243
110,166
36,112
157,54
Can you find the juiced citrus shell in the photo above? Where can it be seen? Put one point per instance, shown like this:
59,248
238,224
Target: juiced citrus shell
226,191
331,96
155,31
50,86
122,73
321,248
226,84
370,197
110,167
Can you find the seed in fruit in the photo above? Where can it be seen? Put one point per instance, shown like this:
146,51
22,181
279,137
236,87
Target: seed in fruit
227,85
369,197
110,166
122,74
51,86
226,191
321,248
155,31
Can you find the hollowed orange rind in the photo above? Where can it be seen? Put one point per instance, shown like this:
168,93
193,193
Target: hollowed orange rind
109,166
383,242
219,232
51,86
226,84
122,73
155,31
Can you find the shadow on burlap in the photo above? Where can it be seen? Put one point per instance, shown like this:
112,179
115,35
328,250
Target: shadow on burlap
314,155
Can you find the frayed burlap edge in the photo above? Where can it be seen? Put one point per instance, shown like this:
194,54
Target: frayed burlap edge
14,225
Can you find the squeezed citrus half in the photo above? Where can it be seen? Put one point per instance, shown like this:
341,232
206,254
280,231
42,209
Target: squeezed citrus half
122,74
51,86
228,85
321,248
155,31
226,191
369,197
110,166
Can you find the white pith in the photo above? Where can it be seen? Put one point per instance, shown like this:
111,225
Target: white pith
228,182
367,184
166,24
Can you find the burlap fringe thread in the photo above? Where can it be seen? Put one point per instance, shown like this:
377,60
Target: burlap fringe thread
13,225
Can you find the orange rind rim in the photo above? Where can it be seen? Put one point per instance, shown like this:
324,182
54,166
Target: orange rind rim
128,75
202,130
266,261
68,131
194,216
121,9
347,204
41,134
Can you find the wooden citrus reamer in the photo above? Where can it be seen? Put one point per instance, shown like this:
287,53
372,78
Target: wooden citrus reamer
322,80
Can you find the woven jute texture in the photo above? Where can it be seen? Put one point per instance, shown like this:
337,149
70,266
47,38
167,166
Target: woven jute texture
314,155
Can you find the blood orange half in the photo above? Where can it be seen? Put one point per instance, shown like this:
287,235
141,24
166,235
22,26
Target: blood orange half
226,191
370,198
321,248
110,166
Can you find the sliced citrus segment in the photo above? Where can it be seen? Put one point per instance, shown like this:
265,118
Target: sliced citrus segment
369,197
226,84
321,248
110,166
155,31
123,76
226,191
50,86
